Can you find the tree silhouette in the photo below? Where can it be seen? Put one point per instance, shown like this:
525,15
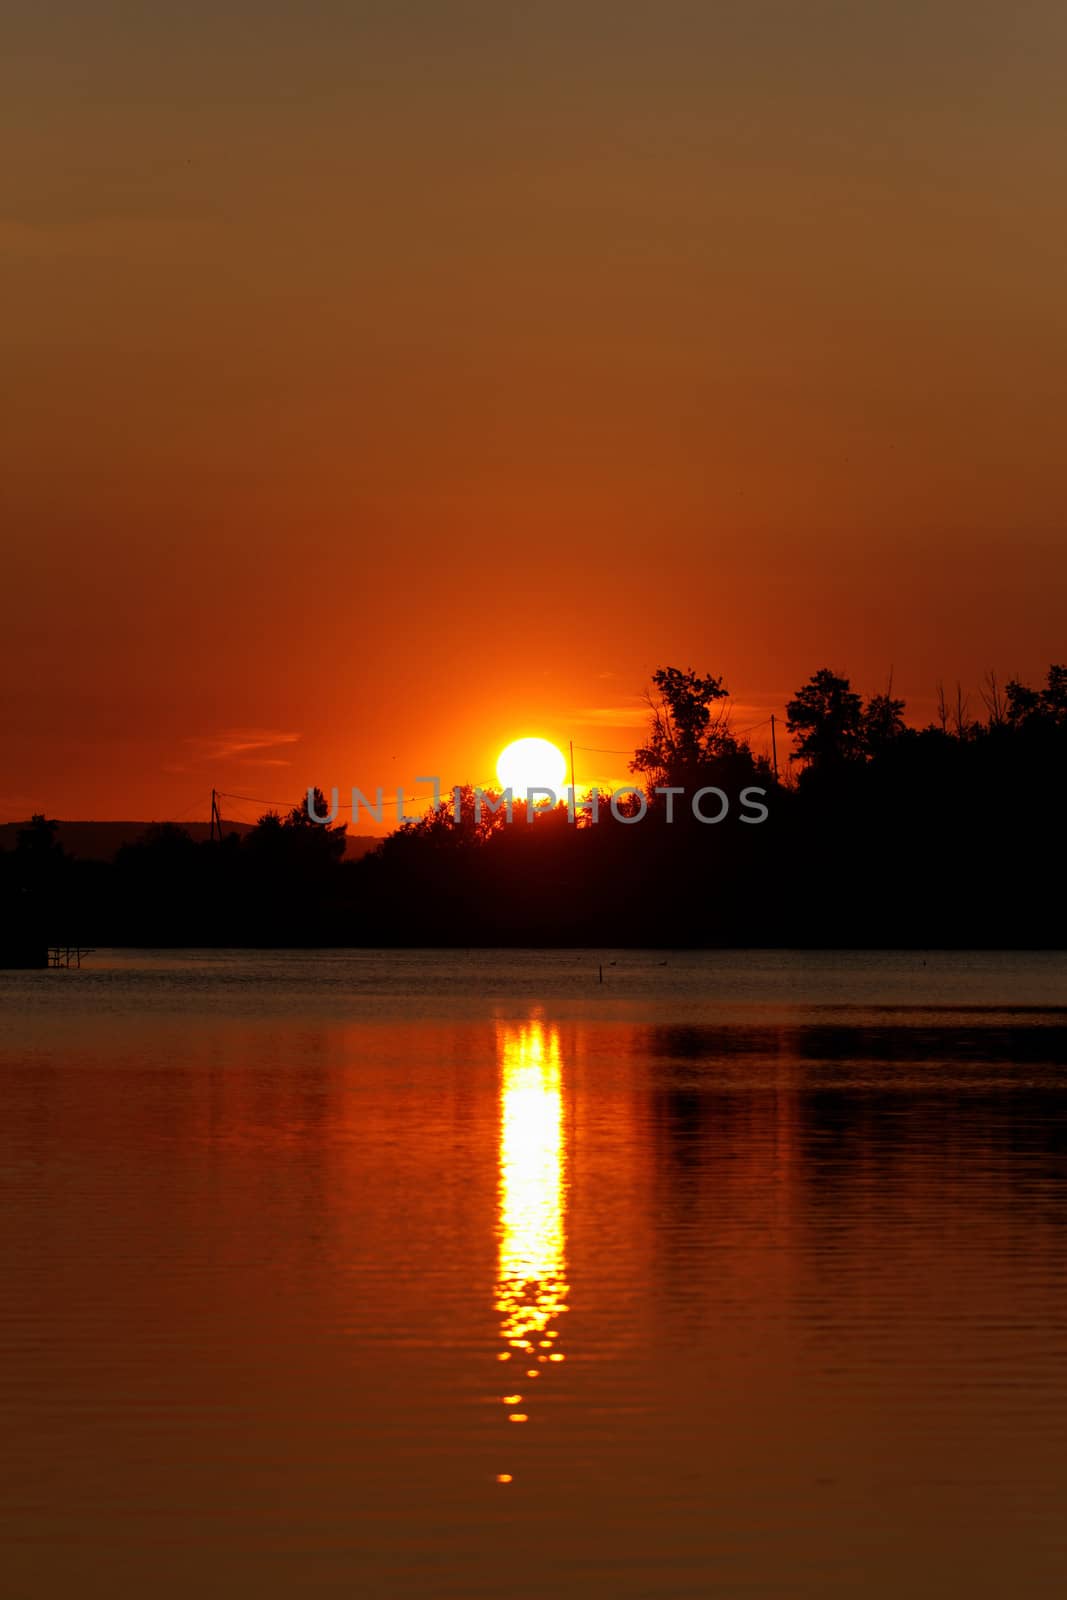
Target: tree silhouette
882,723
826,719
684,730
1047,705
329,837
40,862
38,841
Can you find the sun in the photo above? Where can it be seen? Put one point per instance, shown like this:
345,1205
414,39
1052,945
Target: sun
531,764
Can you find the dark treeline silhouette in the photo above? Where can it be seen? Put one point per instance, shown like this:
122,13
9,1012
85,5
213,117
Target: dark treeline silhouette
876,834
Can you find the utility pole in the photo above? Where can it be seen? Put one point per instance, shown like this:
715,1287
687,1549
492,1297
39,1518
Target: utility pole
216,817
774,748
573,795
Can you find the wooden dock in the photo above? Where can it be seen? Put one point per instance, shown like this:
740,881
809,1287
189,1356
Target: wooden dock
67,955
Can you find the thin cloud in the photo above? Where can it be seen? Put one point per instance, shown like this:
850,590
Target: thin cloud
239,744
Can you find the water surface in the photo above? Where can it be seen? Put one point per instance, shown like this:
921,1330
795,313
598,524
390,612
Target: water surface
473,1275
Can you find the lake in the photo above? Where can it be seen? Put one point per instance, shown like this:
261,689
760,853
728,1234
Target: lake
535,1274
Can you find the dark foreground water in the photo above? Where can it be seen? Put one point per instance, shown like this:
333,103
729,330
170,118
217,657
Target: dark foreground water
468,1275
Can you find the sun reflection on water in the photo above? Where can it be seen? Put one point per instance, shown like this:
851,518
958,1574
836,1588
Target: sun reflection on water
531,1290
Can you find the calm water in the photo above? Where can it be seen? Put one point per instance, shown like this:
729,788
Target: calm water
468,1275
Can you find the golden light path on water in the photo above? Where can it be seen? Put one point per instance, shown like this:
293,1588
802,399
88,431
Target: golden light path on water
531,1280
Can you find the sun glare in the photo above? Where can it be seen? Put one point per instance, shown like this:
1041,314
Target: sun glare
531,764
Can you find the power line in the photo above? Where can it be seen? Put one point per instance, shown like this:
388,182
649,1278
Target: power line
288,805
184,814
589,750
253,799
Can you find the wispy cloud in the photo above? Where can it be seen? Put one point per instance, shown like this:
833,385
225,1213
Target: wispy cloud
241,745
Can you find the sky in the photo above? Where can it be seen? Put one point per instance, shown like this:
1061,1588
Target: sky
383,382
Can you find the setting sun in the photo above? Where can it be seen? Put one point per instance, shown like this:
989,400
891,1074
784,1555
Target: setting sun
531,764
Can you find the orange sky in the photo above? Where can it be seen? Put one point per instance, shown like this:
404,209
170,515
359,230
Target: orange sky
383,383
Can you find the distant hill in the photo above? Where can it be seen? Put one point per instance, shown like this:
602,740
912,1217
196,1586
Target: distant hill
100,841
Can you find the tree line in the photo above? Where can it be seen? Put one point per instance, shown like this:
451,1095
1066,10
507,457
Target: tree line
877,833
